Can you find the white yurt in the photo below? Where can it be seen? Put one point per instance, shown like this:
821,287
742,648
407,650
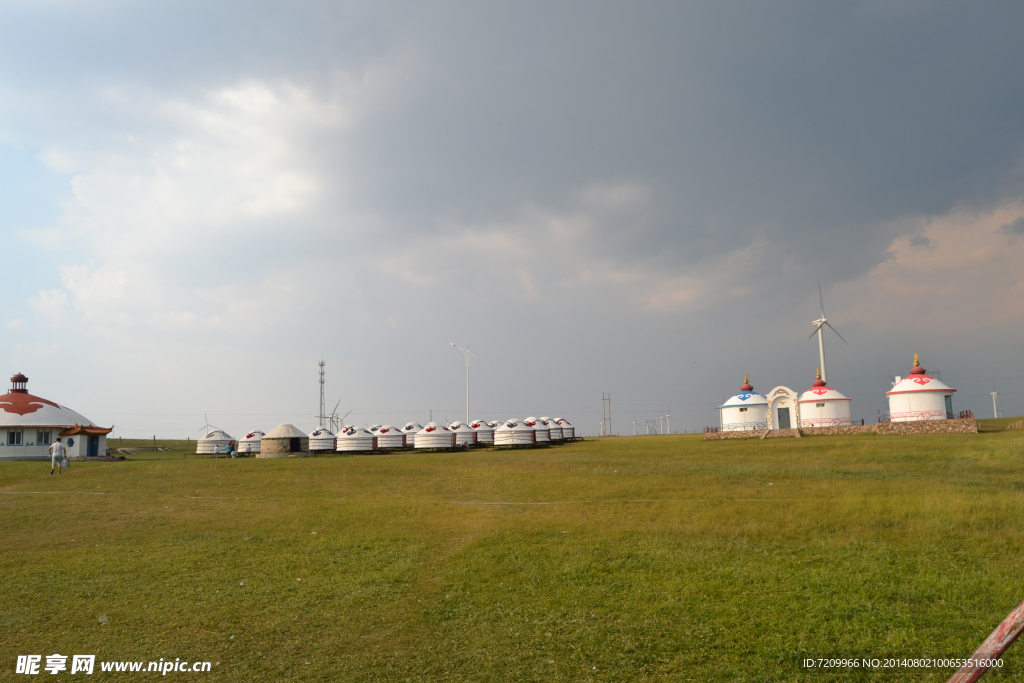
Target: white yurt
389,437
355,439
484,431
213,442
515,433
464,434
284,441
568,431
823,406
435,435
920,397
543,432
321,440
554,428
410,429
746,411
250,443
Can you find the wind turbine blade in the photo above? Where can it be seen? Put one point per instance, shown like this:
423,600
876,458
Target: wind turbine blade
837,334
815,331
336,407
821,299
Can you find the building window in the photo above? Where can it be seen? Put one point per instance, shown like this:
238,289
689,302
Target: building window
819,405
43,437
949,407
13,438
743,410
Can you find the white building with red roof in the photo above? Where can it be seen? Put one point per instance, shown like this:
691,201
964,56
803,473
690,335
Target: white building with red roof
29,424
920,397
823,406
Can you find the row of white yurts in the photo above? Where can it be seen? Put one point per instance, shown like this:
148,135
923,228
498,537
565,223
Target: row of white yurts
385,437
918,396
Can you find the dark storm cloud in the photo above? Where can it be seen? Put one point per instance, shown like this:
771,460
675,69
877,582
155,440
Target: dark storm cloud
810,125
1014,228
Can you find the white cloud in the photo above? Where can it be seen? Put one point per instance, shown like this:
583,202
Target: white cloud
51,304
955,272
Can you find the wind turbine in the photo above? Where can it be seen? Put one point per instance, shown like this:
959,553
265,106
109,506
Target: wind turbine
668,422
820,323
634,425
206,428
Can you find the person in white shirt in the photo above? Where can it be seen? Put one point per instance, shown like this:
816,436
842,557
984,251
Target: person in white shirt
57,453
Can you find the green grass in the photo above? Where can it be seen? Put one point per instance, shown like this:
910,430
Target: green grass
625,559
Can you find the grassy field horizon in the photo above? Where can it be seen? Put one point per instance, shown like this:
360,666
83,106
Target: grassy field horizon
620,559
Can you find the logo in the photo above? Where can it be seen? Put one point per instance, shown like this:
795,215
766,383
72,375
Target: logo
819,392
922,380
430,429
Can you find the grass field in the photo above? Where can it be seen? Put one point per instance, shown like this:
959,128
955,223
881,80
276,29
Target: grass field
624,559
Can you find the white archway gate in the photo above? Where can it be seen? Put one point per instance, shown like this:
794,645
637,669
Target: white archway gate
783,409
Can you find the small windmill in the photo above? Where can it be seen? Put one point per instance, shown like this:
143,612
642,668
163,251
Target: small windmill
206,428
336,422
634,425
820,323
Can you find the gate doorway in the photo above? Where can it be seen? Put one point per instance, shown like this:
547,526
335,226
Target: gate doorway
784,418
92,448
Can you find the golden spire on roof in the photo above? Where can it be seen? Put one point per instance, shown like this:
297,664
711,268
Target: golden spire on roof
916,361
819,373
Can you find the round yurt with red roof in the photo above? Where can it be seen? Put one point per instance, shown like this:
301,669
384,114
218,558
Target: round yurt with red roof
920,397
29,424
823,406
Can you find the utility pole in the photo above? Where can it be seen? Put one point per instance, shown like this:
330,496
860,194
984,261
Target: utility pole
606,414
468,355
322,408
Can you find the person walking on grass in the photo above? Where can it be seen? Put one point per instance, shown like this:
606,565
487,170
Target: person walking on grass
57,454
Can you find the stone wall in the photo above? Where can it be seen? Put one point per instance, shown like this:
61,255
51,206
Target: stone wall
836,430
753,434
967,425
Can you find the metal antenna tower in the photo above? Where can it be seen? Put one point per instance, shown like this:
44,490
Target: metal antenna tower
323,408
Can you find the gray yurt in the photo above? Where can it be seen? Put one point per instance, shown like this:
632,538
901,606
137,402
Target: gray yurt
284,441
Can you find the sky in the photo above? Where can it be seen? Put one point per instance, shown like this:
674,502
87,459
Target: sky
200,201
